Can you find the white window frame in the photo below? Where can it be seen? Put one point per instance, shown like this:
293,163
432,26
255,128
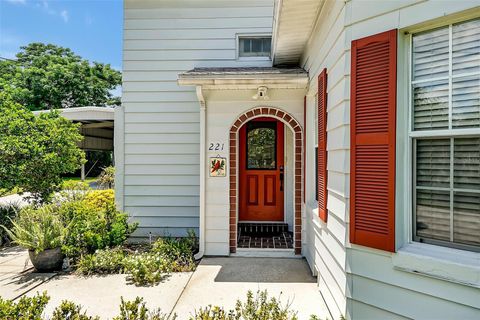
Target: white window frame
449,133
433,261
252,35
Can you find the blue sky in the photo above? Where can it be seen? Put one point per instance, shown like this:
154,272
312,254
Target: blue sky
91,28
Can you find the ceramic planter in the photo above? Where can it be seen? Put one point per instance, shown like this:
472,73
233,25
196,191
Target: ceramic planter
47,260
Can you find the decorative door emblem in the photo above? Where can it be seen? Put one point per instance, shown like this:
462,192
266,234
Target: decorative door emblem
217,166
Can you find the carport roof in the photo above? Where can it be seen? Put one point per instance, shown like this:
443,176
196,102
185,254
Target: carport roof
85,114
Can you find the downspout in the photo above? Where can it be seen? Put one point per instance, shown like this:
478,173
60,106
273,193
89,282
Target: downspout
203,143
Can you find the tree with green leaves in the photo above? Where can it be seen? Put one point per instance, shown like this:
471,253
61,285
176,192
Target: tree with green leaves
46,76
35,151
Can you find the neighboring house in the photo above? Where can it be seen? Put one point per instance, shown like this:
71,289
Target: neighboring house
346,132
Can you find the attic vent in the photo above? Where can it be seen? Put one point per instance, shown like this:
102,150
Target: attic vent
254,46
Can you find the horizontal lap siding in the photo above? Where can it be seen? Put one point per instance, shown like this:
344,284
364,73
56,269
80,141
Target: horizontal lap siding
161,119
326,242
378,290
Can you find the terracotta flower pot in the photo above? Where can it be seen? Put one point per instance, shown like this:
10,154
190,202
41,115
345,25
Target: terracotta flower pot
47,260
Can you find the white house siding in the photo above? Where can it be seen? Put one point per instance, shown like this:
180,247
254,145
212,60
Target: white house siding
355,281
325,250
158,163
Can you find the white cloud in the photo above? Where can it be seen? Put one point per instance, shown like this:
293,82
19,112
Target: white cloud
9,44
44,5
17,1
64,15
88,20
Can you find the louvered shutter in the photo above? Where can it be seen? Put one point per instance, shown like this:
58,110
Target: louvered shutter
372,170
322,145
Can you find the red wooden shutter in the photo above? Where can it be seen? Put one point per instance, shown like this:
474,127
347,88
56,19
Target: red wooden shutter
372,168
322,145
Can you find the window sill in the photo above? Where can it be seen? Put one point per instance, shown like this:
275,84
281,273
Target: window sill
254,58
458,266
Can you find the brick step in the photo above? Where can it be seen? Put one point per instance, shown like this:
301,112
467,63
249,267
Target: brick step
261,228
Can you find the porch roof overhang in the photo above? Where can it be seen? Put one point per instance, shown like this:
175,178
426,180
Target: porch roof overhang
294,21
245,78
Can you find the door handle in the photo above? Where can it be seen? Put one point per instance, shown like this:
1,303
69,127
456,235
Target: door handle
281,178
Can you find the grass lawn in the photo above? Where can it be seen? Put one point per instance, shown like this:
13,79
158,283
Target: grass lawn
87,180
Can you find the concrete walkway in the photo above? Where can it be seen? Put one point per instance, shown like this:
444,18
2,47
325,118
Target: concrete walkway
221,281
217,281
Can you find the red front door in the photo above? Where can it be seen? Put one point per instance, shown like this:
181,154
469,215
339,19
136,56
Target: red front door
261,163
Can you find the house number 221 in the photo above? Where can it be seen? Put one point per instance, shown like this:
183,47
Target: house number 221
216,146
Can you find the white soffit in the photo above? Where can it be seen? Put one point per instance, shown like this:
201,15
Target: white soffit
293,23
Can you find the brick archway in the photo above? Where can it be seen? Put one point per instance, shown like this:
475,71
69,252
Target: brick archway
298,136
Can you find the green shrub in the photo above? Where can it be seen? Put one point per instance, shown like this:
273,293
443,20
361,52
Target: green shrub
146,268
143,268
68,310
136,310
27,308
213,313
101,199
108,261
106,180
37,229
35,151
92,227
178,251
167,255
75,185
8,212
258,307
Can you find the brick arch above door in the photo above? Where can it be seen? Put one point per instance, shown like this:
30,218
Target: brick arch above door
290,121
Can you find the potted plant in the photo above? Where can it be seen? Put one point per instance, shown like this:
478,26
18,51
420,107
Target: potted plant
41,231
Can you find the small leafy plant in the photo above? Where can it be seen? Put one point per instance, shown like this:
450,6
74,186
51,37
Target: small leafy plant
258,307
167,255
137,310
68,310
106,179
107,261
27,308
8,212
146,267
37,229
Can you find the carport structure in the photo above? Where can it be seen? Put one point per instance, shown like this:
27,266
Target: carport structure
97,127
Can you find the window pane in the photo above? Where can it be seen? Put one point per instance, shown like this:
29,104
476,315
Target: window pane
433,163
467,163
430,103
466,102
466,218
267,44
261,145
430,54
247,45
466,47
256,45
433,214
